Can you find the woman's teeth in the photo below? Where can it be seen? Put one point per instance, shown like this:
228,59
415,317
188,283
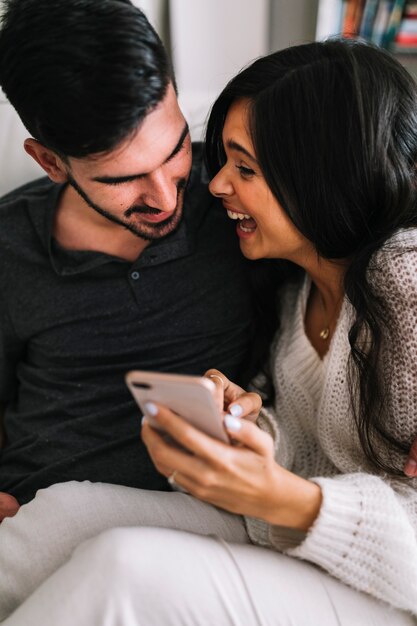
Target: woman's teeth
246,223
238,216
246,230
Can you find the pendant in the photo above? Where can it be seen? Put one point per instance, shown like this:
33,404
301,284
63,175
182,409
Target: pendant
324,334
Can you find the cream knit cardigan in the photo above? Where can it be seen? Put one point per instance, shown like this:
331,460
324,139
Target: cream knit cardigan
366,531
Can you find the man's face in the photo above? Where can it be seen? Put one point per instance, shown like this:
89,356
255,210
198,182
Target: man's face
140,184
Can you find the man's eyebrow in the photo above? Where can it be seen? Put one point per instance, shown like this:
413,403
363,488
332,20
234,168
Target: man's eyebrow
233,145
125,179
180,143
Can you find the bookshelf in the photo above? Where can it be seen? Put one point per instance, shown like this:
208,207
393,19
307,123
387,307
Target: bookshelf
391,24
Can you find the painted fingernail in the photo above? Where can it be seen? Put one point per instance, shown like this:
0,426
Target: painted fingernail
411,468
151,408
232,423
236,410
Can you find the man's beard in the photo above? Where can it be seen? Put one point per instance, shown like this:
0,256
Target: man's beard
148,231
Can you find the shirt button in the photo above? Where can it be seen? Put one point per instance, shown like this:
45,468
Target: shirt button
135,275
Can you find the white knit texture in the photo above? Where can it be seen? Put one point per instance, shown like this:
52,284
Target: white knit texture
366,531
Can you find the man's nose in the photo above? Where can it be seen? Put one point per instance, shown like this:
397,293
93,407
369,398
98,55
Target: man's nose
162,192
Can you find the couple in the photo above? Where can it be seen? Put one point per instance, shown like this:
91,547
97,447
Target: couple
310,519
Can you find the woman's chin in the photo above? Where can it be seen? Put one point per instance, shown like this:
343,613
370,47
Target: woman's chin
250,252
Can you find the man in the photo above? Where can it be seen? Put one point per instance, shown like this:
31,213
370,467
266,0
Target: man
119,260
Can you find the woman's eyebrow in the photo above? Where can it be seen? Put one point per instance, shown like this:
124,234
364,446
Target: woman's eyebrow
233,145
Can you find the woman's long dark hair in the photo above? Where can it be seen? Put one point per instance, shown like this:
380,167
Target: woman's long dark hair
334,126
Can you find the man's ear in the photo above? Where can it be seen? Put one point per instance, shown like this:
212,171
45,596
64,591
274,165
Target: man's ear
47,159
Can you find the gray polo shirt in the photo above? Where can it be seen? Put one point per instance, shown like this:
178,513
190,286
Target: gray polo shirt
73,323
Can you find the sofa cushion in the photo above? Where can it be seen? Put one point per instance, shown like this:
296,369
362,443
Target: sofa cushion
16,167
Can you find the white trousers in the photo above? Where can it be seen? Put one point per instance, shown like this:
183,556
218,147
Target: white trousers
85,554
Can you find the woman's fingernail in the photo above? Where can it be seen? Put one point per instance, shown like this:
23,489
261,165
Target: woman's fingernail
151,408
235,410
143,420
411,468
232,423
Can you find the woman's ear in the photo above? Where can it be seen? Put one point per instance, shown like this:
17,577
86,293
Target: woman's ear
47,159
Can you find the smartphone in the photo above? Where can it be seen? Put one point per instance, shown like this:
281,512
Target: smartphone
192,397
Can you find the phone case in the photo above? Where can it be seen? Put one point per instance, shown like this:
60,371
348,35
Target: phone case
189,396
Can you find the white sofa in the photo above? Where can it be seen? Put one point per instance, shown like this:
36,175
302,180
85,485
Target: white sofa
16,167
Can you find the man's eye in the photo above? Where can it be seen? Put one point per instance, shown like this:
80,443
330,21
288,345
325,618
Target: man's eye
245,172
121,181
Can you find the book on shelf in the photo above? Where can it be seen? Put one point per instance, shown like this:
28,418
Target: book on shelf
368,18
394,23
381,21
390,24
352,17
410,9
406,35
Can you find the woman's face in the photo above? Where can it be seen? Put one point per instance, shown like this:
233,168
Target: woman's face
264,229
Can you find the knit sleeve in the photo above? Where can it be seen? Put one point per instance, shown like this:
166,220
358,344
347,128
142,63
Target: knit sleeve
395,282
365,535
366,531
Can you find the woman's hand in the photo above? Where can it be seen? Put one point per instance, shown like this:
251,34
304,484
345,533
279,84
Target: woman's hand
9,506
410,468
242,479
233,399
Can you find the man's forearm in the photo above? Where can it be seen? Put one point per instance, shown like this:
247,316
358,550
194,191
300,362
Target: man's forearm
9,506
2,407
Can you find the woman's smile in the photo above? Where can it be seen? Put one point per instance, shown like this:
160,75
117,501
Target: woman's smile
246,225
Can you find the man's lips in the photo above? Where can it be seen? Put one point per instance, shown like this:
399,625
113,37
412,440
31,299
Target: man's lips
158,217
154,218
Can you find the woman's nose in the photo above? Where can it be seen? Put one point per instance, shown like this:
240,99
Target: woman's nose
220,186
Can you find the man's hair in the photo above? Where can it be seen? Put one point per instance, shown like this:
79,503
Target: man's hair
82,74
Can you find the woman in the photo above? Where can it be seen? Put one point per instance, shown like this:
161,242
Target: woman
313,151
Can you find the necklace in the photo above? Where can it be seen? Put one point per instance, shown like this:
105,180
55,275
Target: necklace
325,331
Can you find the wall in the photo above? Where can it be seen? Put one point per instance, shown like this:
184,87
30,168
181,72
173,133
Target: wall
210,43
210,40
292,22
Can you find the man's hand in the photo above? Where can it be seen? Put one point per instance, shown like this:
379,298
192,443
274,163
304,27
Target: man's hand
410,468
9,506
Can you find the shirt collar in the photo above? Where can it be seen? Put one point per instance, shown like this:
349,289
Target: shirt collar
70,262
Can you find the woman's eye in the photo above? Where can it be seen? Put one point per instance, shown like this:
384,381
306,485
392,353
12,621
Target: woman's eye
245,172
